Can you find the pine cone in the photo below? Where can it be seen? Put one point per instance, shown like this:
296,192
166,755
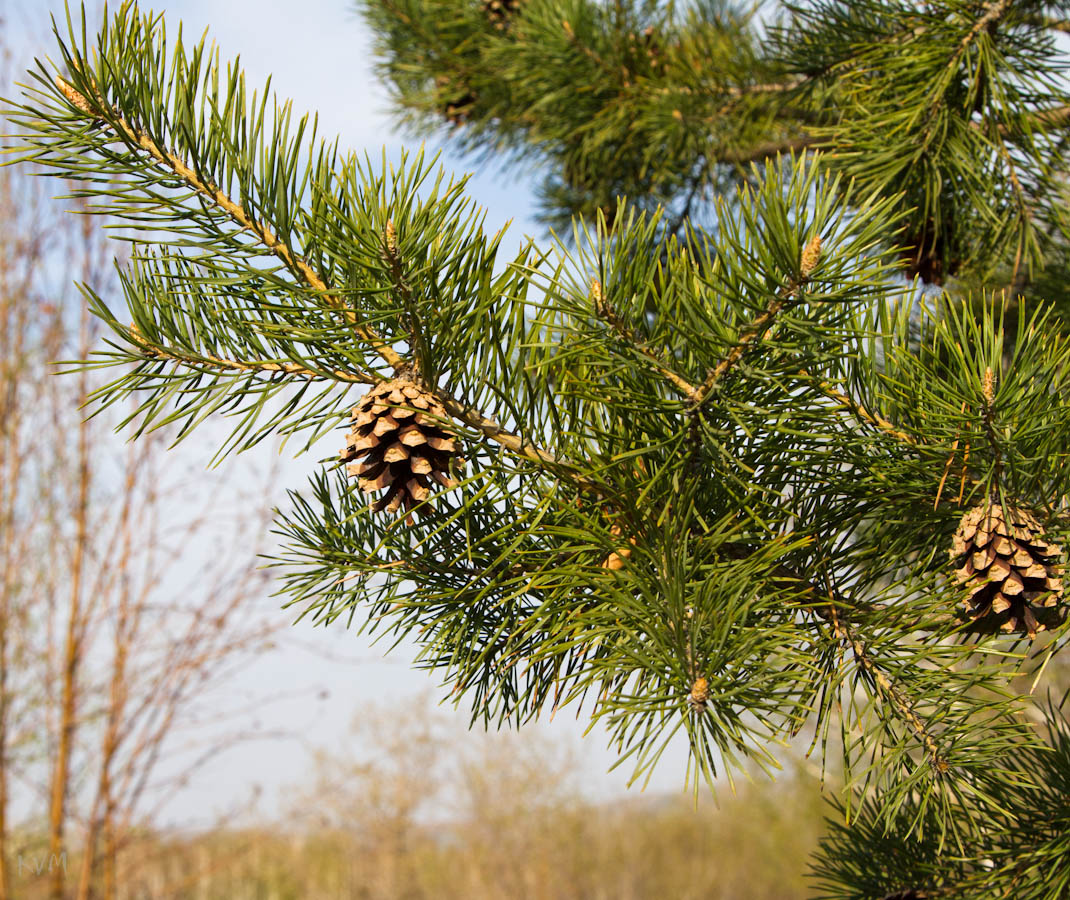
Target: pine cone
499,11
1012,575
398,431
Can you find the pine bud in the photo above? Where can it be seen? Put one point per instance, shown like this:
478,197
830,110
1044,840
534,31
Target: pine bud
500,11
700,693
988,386
141,341
616,559
810,256
599,303
75,97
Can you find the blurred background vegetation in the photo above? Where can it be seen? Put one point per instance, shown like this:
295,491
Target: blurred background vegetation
414,809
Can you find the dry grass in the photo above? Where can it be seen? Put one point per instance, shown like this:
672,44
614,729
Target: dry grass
754,847
417,811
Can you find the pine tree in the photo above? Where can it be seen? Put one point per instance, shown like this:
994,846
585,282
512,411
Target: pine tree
709,463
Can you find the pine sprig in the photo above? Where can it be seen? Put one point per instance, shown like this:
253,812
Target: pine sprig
1022,855
953,104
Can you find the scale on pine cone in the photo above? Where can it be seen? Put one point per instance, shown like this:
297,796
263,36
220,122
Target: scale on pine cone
397,442
1011,574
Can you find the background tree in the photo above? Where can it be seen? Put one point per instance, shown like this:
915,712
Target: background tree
118,618
955,111
719,470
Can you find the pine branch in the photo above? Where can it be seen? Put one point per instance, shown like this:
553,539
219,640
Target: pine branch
522,447
1024,210
898,699
198,360
491,429
97,108
1044,120
865,415
734,91
832,606
1049,22
755,331
777,87
768,149
994,10
752,333
604,310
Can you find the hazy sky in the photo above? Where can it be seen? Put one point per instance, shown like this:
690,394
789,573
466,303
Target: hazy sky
317,52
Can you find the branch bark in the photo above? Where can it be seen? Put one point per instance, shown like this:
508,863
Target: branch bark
208,361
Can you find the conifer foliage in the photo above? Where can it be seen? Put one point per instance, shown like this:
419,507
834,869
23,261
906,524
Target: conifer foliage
723,444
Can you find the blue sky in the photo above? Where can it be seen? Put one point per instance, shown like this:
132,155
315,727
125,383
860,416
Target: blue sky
318,54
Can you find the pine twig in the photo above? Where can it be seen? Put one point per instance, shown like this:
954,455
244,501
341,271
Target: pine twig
901,703
605,311
487,426
765,150
206,360
994,11
756,330
1049,22
295,263
871,418
845,632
